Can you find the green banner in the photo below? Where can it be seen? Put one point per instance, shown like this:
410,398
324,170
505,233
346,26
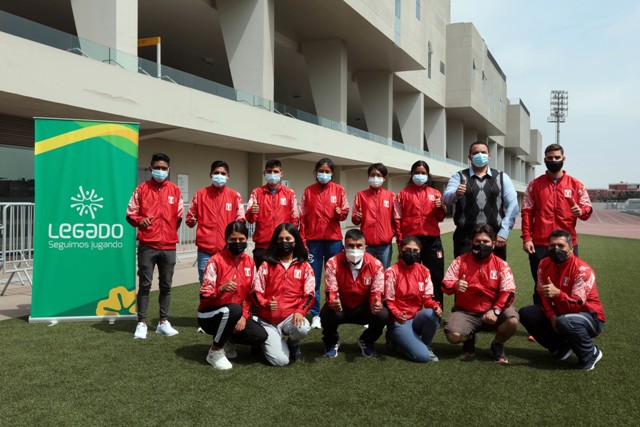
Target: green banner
84,250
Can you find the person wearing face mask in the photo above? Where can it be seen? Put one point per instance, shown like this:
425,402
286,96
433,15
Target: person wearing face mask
283,292
324,205
212,209
418,211
415,314
553,200
570,313
354,282
156,209
481,195
225,306
373,213
484,288
269,206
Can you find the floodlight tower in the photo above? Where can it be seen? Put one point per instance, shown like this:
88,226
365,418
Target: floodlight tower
559,110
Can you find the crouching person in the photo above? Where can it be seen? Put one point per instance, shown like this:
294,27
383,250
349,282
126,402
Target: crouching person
283,292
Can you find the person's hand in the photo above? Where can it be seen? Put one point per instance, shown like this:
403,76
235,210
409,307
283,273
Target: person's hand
500,242
554,322
337,210
402,318
462,284
230,286
438,202
575,208
336,305
376,307
273,304
549,290
358,216
146,222
462,188
255,208
240,325
528,247
298,320
438,311
489,317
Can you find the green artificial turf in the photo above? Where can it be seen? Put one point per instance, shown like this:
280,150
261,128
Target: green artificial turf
97,374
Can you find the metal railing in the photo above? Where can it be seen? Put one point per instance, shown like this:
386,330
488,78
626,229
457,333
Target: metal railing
16,230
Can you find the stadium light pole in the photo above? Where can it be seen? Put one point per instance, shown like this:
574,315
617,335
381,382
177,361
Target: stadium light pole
559,110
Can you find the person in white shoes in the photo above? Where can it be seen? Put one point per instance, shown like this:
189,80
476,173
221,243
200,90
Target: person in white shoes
155,209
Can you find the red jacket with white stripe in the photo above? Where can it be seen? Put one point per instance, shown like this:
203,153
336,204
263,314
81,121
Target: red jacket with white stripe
408,289
490,283
577,284
546,207
212,209
339,281
221,268
416,213
377,223
273,210
163,202
294,288
319,221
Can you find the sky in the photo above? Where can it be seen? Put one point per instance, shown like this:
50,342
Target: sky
587,47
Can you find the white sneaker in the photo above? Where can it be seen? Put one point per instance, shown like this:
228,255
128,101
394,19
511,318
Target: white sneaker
165,328
315,323
218,360
230,350
141,331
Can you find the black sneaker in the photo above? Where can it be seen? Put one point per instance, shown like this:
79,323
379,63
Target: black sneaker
591,363
367,348
295,354
390,344
469,348
497,353
563,353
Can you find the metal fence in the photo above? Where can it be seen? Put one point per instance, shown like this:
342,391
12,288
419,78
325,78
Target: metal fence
16,231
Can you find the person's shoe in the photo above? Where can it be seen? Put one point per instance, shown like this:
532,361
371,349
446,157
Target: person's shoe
315,323
230,350
591,363
331,352
390,344
141,331
218,360
432,356
295,354
563,353
200,331
164,328
532,339
366,348
469,348
498,354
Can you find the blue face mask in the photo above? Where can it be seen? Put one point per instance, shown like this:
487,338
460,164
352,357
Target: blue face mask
480,160
219,180
323,178
420,180
159,175
272,178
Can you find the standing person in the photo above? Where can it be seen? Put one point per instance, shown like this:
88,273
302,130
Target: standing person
211,209
481,195
354,282
418,210
484,288
570,313
225,307
553,200
156,209
269,206
373,213
415,315
283,292
324,205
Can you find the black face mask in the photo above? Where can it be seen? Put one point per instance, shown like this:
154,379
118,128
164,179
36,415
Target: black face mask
553,166
481,251
409,257
285,248
557,255
236,248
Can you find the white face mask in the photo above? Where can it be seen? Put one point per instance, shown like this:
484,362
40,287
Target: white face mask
355,255
272,178
376,181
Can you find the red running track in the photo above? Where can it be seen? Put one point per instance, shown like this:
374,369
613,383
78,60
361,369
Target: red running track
610,223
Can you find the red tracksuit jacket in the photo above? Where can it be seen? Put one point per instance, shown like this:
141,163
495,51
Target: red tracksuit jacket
368,285
377,223
319,221
416,214
274,209
163,201
408,289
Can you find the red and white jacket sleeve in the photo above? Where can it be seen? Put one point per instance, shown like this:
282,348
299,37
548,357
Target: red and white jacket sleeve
584,202
133,209
397,217
451,277
258,285
507,290
192,214
330,280
356,210
582,285
528,212
209,288
377,287
253,200
344,206
390,292
427,296
309,290
239,209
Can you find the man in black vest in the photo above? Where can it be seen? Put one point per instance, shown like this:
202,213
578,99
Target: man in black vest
481,195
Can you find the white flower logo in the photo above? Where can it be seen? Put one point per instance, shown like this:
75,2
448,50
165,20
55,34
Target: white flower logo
86,202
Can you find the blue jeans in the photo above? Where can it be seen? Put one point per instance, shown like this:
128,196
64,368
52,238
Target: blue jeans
382,253
319,253
203,259
415,335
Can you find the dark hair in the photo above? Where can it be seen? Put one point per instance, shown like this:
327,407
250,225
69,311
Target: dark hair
322,161
483,229
273,163
379,167
478,143
238,226
353,234
219,164
409,239
415,166
561,233
160,157
299,251
554,147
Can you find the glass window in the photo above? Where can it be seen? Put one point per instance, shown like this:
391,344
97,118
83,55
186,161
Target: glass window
418,9
430,54
16,174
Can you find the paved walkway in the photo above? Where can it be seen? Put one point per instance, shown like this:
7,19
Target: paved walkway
17,300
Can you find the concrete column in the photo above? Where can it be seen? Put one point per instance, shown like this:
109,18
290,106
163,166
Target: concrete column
327,66
493,152
110,23
376,93
501,159
255,167
470,136
435,130
455,141
248,33
410,111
